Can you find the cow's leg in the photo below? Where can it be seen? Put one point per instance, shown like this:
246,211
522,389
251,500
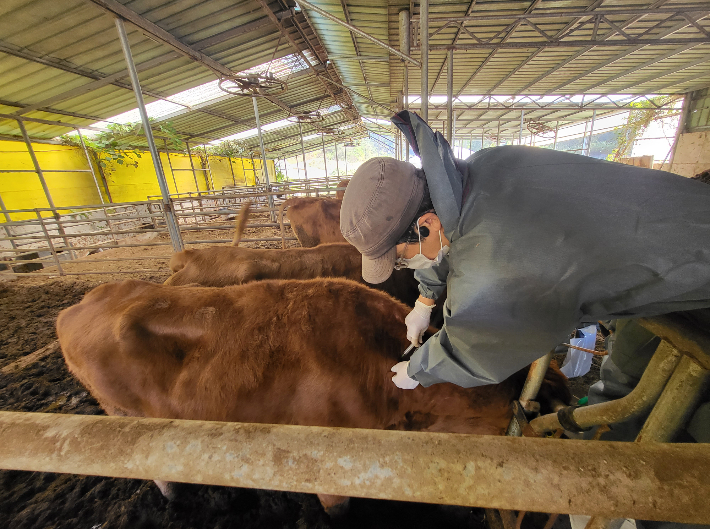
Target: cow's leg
334,505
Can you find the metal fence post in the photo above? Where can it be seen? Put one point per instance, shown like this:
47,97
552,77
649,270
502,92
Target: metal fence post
49,241
591,132
170,219
91,167
8,220
337,163
325,159
38,170
209,168
270,198
192,165
303,151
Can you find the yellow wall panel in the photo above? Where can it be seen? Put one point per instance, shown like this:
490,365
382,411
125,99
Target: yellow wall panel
131,182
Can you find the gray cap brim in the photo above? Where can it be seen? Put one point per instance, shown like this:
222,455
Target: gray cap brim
376,271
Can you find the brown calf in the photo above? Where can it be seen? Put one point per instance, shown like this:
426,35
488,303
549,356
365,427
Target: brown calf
313,220
224,266
315,352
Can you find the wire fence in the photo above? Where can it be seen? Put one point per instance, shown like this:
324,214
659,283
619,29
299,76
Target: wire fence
54,240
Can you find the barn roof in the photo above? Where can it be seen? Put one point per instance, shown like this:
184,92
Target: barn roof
543,61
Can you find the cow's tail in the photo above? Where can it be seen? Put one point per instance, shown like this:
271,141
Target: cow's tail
241,223
281,222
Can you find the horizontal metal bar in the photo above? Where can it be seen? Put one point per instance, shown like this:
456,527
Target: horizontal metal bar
661,482
268,239
578,14
50,262
105,232
113,272
82,208
565,44
78,248
43,170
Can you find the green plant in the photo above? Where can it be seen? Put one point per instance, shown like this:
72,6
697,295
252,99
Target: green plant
280,177
640,117
228,148
117,144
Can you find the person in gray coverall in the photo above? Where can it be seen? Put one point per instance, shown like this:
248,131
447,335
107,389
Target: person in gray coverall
529,242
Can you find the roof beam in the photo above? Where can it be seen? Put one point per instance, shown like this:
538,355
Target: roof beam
156,32
252,120
156,61
453,42
636,68
269,13
574,56
615,58
359,32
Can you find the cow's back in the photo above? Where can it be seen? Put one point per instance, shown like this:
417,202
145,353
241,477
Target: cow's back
297,352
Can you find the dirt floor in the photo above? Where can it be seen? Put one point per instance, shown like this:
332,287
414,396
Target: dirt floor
28,310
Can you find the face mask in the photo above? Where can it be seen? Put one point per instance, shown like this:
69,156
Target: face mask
420,261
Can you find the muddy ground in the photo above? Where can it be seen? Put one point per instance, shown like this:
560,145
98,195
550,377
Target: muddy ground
28,310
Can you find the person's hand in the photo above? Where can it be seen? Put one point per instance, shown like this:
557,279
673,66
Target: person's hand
417,322
401,379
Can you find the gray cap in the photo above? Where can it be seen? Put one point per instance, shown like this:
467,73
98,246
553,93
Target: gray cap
380,203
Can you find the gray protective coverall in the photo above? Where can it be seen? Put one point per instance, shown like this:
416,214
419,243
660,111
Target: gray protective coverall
543,240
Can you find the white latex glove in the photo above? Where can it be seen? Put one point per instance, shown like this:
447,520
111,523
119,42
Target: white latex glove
417,322
401,379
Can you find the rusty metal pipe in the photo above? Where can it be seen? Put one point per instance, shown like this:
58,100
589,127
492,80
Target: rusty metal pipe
643,397
677,402
645,481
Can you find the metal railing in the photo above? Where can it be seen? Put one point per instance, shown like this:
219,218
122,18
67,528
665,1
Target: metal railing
48,241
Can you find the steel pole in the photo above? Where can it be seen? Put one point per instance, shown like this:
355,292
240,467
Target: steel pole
170,165
450,98
659,481
325,160
520,134
170,219
7,219
231,170
405,33
498,134
591,132
337,163
303,152
91,167
677,403
192,165
49,241
272,214
38,171
209,169
424,36
557,128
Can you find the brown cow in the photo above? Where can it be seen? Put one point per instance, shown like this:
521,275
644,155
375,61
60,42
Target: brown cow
225,265
315,352
313,220
340,194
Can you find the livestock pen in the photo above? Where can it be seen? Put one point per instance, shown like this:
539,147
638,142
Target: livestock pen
193,102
